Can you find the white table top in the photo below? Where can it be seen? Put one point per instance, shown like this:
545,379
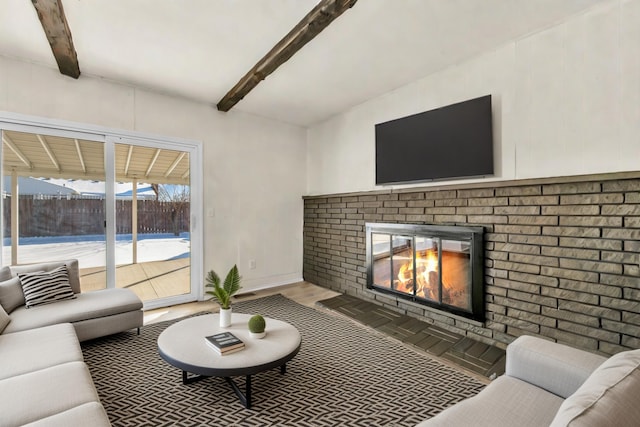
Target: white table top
183,345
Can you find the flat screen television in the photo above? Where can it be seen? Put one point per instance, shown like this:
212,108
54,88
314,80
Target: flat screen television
455,141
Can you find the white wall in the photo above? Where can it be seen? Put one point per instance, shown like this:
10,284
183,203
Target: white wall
254,169
566,102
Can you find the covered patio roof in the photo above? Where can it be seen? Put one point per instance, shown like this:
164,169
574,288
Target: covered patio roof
27,154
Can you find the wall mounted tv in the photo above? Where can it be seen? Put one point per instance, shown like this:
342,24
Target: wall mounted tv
455,141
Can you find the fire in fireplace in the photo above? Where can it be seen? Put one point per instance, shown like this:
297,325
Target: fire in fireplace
433,265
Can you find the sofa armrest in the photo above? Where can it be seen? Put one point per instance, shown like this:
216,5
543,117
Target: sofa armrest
554,367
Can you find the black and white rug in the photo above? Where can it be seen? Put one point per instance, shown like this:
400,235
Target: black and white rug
344,375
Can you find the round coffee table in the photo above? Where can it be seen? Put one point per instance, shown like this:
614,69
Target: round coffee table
183,345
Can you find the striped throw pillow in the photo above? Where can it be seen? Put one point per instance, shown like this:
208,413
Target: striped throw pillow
44,287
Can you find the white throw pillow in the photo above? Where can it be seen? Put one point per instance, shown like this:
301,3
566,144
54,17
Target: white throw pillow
11,295
46,287
609,397
4,319
5,273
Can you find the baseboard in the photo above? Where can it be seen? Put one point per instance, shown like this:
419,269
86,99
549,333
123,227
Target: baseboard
258,284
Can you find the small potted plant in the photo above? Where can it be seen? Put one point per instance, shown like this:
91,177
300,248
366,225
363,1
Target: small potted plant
256,326
222,293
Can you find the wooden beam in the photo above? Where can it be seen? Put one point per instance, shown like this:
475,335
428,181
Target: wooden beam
153,162
49,152
128,162
175,164
55,26
310,26
80,156
13,147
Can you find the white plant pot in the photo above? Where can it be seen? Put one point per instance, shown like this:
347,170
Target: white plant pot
225,318
258,335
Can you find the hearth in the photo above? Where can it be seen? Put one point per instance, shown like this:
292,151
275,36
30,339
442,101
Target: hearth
438,266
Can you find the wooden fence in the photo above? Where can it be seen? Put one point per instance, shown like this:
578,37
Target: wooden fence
76,217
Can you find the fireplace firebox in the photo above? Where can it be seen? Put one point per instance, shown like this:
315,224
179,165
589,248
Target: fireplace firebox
438,266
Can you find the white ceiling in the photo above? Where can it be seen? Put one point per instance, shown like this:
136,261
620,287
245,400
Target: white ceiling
200,48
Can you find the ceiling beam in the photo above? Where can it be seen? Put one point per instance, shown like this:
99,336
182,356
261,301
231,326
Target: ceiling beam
49,152
175,164
128,162
55,26
310,26
80,156
13,147
153,162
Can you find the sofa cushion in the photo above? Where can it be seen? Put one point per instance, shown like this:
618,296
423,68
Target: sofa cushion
87,305
507,401
30,397
39,348
90,414
72,268
4,319
608,397
46,287
11,295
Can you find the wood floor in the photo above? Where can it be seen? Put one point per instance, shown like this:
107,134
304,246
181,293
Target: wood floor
304,293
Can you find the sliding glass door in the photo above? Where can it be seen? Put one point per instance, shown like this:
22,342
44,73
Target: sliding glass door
152,220
123,206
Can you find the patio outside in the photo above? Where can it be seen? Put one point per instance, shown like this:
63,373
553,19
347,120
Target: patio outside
162,269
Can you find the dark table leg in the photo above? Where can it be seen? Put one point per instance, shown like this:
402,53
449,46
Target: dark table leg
186,379
245,398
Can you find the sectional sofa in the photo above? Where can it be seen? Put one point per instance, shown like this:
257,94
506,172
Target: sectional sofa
43,378
550,384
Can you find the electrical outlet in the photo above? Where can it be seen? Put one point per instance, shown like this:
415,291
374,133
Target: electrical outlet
211,213
252,264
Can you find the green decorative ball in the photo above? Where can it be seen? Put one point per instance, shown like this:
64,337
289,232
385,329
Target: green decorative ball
257,324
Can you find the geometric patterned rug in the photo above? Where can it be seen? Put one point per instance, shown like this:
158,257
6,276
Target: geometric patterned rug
344,375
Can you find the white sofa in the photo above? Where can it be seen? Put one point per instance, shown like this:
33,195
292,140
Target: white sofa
43,378
44,381
550,384
93,314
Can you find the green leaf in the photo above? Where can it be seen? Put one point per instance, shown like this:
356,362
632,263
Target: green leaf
213,278
232,281
222,294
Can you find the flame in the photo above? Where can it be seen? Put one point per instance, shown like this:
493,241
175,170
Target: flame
454,277
426,275
405,274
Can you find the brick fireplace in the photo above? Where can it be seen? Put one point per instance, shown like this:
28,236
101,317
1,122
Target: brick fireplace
561,257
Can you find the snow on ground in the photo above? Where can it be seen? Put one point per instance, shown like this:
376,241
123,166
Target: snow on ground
91,250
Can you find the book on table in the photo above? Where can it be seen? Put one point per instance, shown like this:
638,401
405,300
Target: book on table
224,342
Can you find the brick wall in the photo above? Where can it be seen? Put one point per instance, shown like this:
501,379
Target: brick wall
562,258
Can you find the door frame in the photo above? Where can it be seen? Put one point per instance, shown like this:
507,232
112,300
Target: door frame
109,136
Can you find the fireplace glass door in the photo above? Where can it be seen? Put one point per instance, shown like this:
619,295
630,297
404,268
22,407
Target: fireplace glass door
427,266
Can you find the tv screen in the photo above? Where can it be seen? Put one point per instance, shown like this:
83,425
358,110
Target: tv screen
455,141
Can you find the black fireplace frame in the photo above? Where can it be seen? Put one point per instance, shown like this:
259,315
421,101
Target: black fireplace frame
473,235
